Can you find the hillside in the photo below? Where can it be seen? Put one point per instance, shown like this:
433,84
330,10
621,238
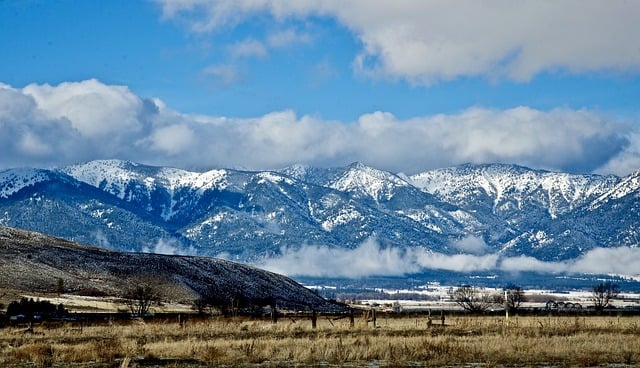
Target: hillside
32,261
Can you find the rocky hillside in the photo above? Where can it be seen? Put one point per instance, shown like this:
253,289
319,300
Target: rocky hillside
32,261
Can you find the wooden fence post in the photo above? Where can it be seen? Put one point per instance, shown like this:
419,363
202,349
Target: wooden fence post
314,318
351,321
373,317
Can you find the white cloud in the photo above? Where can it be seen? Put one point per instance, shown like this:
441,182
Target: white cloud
222,74
93,108
626,161
472,245
370,259
621,261
248,48
45,125
616,261
172,139
365,260
28,136
559,139
101,239
530,264
429,41
455,262
34,145
165,247
169,247
288,37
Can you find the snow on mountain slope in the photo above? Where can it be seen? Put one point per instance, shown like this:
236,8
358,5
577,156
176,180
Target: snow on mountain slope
176,178
363,180
506,187
114,176
160,189
628,185
14,180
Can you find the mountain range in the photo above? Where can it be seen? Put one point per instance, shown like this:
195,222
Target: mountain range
249,215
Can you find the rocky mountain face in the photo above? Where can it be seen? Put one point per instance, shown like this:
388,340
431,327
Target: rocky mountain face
32,261
246,215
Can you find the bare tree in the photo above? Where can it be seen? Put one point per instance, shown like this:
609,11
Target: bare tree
515,297
603,293
473,299
140,298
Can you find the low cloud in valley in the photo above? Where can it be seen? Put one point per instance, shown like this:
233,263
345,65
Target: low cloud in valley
370,258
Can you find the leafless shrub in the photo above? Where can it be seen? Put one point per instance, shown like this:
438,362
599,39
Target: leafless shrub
473,299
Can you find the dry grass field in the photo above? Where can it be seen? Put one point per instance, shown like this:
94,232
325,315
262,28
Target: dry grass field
406,341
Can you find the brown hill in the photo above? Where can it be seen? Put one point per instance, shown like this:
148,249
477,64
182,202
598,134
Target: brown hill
33,262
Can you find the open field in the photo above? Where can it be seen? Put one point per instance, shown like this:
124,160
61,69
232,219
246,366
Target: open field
400,341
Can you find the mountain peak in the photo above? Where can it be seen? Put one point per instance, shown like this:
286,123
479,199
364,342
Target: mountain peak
358,165
366,181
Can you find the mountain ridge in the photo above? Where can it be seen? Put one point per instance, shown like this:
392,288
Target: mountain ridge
249,215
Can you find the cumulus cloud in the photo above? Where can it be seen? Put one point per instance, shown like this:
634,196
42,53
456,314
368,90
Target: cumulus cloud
370,259
429,41
28,136
559,139
44,125
93,108
626,161
172,139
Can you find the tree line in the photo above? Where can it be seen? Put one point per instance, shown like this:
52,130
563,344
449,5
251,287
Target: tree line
474,299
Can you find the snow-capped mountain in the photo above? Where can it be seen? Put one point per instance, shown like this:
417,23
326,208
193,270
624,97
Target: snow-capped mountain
247,215
509,190
527,212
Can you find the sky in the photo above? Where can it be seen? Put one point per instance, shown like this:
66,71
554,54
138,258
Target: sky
403,85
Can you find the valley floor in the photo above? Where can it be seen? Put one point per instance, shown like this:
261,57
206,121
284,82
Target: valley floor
394,341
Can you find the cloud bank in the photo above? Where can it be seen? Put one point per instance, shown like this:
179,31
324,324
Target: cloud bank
370,259
43,125
425,42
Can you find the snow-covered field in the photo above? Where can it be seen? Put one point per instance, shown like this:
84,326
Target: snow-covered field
435,296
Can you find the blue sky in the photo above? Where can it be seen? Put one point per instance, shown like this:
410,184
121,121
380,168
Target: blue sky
403,86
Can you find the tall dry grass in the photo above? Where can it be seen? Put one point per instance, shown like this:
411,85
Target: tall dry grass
577,341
